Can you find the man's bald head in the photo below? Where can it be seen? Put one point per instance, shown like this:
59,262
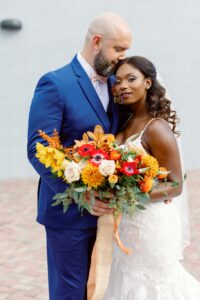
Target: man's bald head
108,25
107,39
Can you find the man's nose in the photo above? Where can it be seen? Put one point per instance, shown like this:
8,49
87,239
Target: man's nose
121,56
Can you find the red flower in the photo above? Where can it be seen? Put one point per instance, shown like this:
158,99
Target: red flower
129,168
98,156
138,158
86,150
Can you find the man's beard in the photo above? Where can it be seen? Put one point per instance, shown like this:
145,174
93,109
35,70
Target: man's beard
102,66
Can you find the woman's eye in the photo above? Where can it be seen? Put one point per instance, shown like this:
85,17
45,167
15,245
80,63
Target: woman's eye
131,79
117,82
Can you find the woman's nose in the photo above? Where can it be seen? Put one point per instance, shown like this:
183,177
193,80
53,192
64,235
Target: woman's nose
123,85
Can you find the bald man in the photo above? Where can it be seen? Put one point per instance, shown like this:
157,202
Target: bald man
73,99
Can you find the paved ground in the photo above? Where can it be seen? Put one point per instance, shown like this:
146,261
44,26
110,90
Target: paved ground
23,273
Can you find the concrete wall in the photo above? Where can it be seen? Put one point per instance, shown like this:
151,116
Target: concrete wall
167,32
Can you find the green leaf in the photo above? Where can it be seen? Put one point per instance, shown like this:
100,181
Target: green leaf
88,207
139,206
142,198
175,184
56,202
92,198
118,187
80,189
75,196
112,185
65,208
57,196
101,195
63,195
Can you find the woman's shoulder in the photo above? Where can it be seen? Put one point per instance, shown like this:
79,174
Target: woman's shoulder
157,125
158,130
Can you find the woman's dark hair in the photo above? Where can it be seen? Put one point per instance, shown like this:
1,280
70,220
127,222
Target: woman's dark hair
158,106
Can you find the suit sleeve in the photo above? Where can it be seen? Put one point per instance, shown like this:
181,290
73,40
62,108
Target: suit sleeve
46,113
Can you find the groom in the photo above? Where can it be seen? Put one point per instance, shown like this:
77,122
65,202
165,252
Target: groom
74,99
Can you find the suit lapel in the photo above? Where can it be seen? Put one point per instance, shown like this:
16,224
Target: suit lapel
112,109
90,93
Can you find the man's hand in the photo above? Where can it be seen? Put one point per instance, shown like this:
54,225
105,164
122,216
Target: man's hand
100,207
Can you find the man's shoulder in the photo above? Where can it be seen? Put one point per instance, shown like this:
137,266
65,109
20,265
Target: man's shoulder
63,73
60,71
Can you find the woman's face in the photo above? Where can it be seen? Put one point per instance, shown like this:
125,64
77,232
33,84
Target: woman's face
131,85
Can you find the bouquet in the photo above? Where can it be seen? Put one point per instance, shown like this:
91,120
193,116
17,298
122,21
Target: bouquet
122,176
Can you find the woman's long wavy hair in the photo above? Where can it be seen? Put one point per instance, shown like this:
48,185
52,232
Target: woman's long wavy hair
158,106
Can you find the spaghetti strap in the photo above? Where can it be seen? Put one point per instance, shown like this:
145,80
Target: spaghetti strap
150,121
138,136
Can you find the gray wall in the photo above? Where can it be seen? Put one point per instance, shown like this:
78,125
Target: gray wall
167,32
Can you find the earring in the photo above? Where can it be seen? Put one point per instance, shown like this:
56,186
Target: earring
117,99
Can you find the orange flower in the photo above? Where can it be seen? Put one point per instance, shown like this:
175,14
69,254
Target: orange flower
53,141
115,155
146,184
92,177
100,139
162,175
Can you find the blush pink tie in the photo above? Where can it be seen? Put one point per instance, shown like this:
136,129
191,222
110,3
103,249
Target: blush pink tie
100,79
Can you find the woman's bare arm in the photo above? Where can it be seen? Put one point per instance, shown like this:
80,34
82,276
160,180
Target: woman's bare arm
161,143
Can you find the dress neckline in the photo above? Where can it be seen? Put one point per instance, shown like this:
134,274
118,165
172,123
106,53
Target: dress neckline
138,135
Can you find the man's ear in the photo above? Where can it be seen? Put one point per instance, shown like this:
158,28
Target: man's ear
148,83
96,41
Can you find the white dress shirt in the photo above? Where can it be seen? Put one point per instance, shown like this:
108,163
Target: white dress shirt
101,88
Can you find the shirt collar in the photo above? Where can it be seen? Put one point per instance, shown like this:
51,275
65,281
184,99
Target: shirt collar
87,67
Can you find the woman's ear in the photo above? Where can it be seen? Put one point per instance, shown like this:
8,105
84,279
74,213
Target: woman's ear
148,82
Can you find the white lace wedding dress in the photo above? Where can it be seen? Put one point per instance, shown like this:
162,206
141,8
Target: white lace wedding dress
153,270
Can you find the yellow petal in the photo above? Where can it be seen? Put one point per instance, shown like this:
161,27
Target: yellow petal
98,132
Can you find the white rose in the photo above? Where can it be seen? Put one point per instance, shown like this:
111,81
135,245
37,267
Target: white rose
107,167
65,164
72,172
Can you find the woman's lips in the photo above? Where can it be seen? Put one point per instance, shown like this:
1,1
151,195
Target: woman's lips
125,95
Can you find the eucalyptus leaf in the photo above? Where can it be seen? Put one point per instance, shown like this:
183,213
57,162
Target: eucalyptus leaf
142,198
80,189
139,206
56,202
92,198
75,196
65,208
57,196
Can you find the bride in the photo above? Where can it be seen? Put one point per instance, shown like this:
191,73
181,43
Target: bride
153,271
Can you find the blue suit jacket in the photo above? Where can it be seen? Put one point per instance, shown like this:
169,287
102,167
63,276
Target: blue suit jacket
66,100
